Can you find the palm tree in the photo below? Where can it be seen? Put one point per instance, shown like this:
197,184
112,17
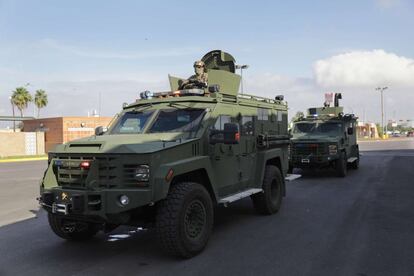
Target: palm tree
40,100
21,98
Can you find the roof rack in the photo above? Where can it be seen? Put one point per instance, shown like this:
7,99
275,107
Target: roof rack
258,98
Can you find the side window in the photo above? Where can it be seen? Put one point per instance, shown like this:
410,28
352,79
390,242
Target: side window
279,116
247,126
263,114
221,120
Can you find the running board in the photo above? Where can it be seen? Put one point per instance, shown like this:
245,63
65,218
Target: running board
238,196
352,159
291,177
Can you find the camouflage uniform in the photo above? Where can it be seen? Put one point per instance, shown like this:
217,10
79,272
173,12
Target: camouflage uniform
200,75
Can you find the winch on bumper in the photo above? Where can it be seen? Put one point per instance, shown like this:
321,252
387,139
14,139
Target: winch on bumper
93,203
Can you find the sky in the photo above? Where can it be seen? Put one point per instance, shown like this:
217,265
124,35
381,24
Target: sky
88,52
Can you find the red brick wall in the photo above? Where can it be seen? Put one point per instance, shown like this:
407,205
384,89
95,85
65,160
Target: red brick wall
64,129
79,127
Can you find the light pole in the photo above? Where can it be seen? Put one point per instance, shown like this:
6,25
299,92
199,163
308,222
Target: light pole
14,122
381,90
241,67
34,104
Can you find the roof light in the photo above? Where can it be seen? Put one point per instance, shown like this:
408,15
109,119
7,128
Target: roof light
146,94
176,93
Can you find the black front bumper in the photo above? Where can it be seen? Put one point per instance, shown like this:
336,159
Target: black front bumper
89,205
312,161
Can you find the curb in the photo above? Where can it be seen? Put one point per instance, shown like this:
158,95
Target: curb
11,160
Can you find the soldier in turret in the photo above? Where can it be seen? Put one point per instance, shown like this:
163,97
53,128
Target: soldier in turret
199,80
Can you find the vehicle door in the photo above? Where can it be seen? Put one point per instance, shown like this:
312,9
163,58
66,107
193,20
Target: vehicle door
224,158
248,152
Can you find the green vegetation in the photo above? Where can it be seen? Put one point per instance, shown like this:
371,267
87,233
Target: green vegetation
40,100
21,99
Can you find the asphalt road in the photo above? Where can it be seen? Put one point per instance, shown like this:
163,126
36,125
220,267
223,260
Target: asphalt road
19,187
359,225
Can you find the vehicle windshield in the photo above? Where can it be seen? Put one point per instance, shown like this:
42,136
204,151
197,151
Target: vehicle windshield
178,120
328,128
132,122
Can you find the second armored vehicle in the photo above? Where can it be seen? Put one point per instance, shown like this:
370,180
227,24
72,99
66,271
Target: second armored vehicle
169,158
325,138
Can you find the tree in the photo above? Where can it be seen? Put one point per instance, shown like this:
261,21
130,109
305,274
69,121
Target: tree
21,98
40,100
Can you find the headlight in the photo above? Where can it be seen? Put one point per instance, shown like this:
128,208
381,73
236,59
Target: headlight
333,149
142,173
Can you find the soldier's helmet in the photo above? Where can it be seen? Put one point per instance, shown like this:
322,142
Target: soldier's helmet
199,64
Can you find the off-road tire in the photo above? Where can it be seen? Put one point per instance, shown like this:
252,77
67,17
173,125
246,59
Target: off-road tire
269,201
83,231
184,220
341,165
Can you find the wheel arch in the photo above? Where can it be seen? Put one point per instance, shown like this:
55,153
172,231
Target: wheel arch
276,157
196,169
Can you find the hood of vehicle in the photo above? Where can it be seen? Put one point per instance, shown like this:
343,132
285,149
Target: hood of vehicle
121,143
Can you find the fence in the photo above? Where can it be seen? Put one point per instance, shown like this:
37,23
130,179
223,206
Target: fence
21,143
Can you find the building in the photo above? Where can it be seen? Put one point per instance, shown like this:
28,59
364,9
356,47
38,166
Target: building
64,129
367,130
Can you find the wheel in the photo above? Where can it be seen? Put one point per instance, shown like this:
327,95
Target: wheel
341,165
70,229
269,201
184,220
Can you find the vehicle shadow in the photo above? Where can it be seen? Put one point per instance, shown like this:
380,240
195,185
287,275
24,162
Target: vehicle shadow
132,242
324,173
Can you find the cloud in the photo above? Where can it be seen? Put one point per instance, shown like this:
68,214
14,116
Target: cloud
365,69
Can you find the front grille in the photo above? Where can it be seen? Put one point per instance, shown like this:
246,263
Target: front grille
307,149
69,174
129,173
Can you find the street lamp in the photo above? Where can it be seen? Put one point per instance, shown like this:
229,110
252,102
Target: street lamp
381,90
241,67
14,122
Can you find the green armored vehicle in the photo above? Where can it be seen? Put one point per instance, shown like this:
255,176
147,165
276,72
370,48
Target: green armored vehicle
169,158
325,138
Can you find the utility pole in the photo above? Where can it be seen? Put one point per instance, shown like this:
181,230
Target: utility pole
381,90
14,122
241,67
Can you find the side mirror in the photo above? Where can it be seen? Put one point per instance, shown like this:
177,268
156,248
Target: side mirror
230,135
99,130
350,131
